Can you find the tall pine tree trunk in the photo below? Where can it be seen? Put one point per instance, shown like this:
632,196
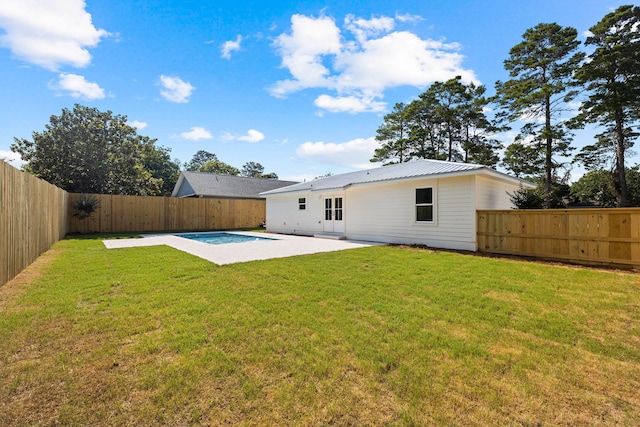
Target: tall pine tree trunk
450,150
548,152
620,172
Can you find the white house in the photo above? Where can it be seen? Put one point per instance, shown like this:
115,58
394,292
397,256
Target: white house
426,202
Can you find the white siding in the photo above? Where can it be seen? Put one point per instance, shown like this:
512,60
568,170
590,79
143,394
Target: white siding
494,194
284,215
386,213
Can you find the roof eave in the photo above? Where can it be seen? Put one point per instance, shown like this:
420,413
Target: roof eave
475,171
504,177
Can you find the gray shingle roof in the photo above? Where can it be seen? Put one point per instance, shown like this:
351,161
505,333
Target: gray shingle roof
213,185
414,169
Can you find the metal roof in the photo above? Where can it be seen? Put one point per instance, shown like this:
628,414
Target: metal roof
214,185
400,171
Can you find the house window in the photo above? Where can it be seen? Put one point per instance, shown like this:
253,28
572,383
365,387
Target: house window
338,209
302,203
424,204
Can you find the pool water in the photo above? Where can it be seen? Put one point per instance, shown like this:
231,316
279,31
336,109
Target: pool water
220,238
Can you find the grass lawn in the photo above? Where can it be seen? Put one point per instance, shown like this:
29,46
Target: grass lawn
373,336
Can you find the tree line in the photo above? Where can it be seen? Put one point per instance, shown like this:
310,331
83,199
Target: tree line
84,150
204,161
548,76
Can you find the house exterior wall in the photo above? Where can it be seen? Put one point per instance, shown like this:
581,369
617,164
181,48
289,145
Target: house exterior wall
284,215
184,190
386,213
494,194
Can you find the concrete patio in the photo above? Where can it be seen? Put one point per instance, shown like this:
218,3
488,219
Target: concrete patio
282,246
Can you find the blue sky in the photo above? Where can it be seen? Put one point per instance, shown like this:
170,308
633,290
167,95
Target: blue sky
299,87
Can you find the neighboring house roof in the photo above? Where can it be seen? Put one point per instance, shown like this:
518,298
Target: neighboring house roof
200,184
395,172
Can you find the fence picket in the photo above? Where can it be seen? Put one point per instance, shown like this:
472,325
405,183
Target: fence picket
587,236
32,218
118,214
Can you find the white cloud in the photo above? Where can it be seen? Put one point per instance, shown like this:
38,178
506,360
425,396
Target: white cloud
230,46
574,108
252,136
49,33
302,52
12,158
138,124
348,104
586,34
353,154
407,17
227,137
78,87
364,29
196,134
397,59
320,55
175,89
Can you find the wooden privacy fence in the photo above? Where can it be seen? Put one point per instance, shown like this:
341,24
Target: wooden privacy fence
134,213
591,236
33,216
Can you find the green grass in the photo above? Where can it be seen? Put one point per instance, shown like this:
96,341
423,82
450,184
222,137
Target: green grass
374,336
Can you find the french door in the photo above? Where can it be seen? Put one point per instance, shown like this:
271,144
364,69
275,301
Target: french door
333,214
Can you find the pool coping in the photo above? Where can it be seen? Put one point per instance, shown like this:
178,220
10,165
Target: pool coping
283,245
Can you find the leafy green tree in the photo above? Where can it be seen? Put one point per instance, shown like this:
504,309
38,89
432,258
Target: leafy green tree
481,150
596,186
595,156
252,170
204,161
450,98
256,170
541,69
425,141
527,198
602,154
524,161
478,143
200,158
219,167
157,161
611,77
446,122
599,187
633,186
393,136
560,194
85,150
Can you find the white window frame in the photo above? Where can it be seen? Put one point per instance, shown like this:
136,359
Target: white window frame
433,204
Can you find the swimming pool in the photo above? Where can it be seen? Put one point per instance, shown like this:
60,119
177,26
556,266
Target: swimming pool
220,238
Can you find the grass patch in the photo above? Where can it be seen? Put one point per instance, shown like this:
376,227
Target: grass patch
373,336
